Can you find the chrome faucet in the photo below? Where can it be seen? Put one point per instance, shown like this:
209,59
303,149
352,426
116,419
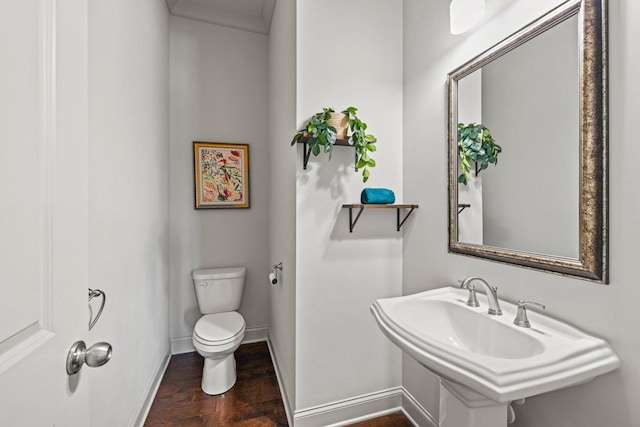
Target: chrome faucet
491,291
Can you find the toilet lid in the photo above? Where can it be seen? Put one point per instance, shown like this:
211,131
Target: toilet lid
219,328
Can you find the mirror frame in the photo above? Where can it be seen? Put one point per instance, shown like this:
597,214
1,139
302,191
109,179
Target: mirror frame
593,151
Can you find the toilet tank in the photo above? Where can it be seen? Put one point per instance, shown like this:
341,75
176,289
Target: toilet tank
219,290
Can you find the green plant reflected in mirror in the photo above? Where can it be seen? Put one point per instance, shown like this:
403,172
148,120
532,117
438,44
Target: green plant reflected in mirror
475,144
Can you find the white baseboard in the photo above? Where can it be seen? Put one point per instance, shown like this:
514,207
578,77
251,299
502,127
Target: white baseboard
185,344
258,334
150,393
350,411
182,345
416,412
353,410
281,384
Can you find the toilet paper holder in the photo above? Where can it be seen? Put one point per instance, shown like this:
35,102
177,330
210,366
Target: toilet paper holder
273,275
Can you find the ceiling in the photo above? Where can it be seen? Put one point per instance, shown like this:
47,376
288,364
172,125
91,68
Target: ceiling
248,15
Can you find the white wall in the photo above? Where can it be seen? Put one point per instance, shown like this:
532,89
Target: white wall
606,310
348,53
282,188
128,200
219,93
470,111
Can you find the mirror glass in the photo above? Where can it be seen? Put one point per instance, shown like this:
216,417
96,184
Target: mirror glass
529,99
542,95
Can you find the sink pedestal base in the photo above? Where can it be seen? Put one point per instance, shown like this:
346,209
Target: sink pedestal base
462,407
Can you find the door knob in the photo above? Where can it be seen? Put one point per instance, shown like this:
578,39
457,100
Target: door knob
94,356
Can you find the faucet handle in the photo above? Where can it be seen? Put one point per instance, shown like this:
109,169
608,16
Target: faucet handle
521,316
472,301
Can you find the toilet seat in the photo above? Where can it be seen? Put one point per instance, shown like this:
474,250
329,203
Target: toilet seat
219,329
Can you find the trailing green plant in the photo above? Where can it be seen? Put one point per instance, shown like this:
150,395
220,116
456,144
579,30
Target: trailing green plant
322,137
476,144
362,141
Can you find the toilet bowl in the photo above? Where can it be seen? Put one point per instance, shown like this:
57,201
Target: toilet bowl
216,337
219,332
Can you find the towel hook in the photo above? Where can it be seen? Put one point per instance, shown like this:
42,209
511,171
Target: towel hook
94,293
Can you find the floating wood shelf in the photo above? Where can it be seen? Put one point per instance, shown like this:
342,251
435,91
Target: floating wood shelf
399,223
306,152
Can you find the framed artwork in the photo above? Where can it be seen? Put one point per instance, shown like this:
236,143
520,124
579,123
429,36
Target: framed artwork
221,175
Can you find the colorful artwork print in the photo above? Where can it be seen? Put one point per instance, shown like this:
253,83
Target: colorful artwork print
222,175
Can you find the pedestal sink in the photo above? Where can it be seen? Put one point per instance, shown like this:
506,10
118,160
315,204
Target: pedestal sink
483,361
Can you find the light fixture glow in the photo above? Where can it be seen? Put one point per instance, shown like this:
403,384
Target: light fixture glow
464,14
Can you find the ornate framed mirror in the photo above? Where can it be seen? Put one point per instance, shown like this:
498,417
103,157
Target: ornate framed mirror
542,92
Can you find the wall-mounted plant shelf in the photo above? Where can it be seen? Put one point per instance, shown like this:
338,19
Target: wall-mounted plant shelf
399,223
463,206
306,150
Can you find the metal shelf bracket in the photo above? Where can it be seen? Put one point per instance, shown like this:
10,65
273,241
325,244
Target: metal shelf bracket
399,221
463,206
352,222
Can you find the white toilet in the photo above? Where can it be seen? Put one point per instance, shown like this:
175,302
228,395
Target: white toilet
218,334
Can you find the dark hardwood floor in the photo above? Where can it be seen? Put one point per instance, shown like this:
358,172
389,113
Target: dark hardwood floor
392,420
254,401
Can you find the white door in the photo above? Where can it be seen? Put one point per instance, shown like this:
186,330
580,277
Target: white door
43,211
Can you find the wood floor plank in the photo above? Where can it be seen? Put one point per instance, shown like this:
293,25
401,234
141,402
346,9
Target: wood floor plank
254,401
392,420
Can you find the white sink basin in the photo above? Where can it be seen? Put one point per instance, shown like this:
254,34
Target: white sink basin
489,354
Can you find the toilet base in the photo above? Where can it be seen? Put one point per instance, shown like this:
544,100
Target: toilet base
218,375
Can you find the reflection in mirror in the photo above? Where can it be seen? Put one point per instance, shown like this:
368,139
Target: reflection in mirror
542,94
529,99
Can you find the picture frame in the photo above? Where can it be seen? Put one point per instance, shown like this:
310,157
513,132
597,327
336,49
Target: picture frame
221,175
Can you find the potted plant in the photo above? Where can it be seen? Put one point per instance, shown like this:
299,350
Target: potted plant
475,143
322,134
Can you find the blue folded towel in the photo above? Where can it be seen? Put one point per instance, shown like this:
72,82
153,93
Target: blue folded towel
377,196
